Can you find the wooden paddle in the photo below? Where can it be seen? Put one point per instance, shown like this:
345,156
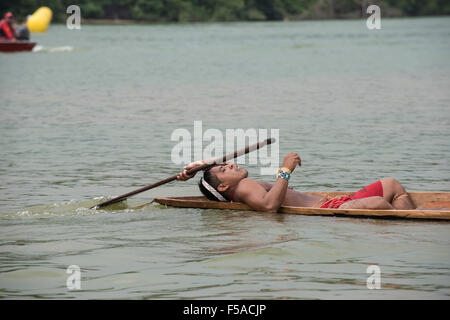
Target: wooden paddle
208,165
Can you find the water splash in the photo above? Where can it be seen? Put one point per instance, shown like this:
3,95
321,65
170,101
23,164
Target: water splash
67,208
39,48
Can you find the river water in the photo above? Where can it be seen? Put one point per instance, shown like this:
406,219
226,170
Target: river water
90,114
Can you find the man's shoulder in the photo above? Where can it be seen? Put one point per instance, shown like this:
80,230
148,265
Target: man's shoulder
247,185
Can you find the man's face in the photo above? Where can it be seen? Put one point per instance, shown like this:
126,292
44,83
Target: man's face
229,174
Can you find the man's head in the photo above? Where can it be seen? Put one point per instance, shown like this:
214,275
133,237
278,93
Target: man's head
221,178
9,16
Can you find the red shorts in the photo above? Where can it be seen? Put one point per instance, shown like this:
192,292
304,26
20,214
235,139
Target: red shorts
372,190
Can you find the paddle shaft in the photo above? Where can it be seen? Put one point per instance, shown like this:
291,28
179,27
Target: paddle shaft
190,172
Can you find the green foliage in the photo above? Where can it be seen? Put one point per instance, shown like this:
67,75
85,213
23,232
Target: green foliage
207,10
92,10
254,14
229,10
344,6
147,9
272,9
420,7
294,7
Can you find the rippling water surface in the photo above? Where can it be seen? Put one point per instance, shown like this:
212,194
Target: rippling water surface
90,114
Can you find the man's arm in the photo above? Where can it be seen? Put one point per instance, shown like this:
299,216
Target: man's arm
261,198
6,29
258,198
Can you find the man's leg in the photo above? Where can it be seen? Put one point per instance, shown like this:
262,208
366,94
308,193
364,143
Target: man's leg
395,194
367,203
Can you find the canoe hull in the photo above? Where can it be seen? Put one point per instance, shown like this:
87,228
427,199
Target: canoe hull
17,46
437,206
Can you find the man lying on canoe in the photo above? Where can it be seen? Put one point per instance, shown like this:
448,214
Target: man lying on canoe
229,182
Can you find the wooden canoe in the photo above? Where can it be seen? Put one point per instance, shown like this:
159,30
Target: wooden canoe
15,46
433,205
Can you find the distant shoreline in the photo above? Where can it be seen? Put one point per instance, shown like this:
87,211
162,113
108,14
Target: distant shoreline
142,22
127,12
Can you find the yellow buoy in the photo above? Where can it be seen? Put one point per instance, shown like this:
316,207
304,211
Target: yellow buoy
39,21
